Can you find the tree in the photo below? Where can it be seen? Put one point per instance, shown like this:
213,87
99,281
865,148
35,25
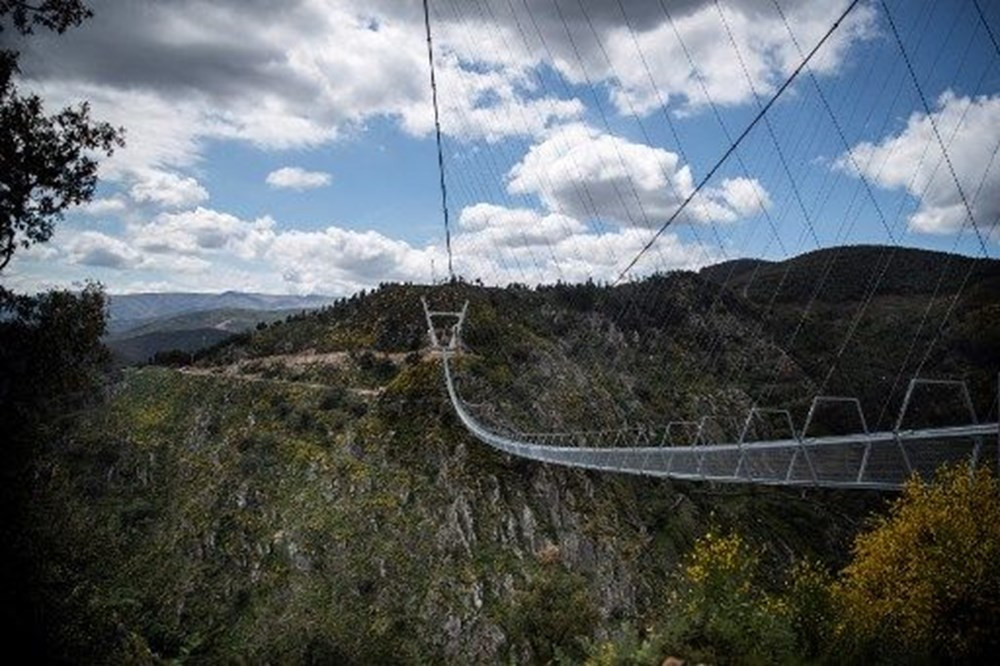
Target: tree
51,353
46,162
49,344
56,15
554,614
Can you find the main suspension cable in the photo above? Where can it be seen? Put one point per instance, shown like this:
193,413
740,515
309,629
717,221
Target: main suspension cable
437,135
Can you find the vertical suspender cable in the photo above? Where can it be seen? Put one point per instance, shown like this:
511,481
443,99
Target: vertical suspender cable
437,134
734,145
934,127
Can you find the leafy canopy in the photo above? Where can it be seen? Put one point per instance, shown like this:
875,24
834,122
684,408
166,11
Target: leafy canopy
55,15
47,162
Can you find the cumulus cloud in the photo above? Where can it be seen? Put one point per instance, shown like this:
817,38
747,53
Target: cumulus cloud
586,174
294,75
298,74
92,248
302,73
597,41
204,230
346,260
167,189
491,104
912,160
206,249
764,43
296,178
516,227
500,245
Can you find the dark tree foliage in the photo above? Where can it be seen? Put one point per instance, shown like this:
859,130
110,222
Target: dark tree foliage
46,162
51,354
51,349
51,361
55,15
50,343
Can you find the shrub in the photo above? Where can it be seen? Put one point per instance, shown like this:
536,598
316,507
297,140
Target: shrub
924,580
332,398
810,608
553,615
720,607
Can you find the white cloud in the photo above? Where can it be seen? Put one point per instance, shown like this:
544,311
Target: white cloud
102,206
592,41
37,252
296,76
209,250
498,257
759,33
515,227
585,174
745,196
303,73
204,230
92,248
168,190
296,178
161,133
487,103
341,260
912,160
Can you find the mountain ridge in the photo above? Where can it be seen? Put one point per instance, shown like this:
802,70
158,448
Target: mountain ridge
144,305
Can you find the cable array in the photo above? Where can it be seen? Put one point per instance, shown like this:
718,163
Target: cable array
743,341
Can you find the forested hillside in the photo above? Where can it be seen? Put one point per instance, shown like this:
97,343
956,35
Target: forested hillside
304,493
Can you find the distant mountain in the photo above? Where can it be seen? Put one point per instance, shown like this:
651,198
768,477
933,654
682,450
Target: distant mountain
127,308
140,348
141,325
233,320
135,341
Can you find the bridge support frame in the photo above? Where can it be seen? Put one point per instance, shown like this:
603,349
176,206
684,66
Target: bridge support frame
758,412
903,408
820,399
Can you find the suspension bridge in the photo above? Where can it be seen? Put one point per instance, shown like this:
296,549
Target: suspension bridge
882,460
807,456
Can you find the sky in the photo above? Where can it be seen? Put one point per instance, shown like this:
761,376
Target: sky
289,147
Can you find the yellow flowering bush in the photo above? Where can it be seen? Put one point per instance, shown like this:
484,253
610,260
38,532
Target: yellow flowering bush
926,579
720,605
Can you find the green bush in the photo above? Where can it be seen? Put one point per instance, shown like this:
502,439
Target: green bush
809,600
718,612
554,615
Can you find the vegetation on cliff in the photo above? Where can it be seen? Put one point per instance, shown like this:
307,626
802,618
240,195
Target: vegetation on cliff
304,493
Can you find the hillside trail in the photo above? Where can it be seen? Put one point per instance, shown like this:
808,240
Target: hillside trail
232,372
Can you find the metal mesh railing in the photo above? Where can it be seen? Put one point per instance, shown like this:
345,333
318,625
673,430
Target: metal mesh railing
877,460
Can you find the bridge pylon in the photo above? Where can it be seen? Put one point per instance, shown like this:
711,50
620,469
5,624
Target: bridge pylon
445,339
